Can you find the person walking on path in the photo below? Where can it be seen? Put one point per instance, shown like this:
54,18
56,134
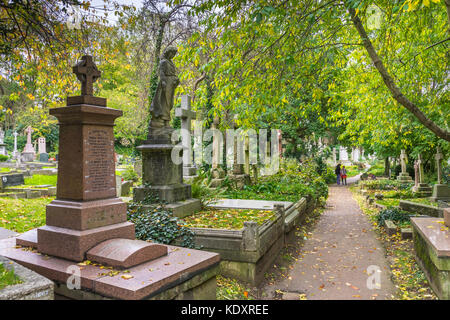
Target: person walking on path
344,175
337,171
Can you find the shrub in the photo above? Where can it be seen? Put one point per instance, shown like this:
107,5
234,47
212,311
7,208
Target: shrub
129,174
3,158
393,214
159,225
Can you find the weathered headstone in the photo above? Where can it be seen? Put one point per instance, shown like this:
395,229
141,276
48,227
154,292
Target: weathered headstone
15,154
404,176
9,180
334,157
43,157
440,191
28,153
42,148
238,176
2,143
423,188
218,174
186,115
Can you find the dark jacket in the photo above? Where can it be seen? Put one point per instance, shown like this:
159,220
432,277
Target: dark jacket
338,169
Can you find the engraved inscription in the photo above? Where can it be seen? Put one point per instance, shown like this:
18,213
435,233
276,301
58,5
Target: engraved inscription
99,159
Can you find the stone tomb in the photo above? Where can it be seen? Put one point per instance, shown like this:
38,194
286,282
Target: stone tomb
88,220
248,252
431,238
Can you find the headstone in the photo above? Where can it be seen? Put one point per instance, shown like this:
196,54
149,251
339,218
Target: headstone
2,144
28,153
423,188
334,157
15,153
186,115
42,148
238,175
403,176
441,192
9,180
218,174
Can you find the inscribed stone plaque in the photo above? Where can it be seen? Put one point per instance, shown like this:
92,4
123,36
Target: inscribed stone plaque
100,162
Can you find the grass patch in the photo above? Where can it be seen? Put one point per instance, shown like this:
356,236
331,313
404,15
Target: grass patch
39,179
21,215
4,170
7,277
389,202
231,289
407,276
228,218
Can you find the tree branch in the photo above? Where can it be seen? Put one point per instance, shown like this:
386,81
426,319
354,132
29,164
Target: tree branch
389,81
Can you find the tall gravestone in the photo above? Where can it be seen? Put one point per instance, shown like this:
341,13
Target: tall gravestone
28,153
42,150
404,176
218,174
162,178
88,221
238,174
15,153
422,188
186,115
2,143
441,191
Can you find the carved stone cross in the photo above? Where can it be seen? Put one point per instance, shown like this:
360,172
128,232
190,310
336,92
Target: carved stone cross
87,73
186,115
420,163
403,160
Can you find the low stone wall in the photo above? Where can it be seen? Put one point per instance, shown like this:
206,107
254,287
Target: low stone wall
247,253
33,286
423,209
21,193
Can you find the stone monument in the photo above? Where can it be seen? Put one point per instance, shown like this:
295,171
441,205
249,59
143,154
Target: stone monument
162,178
186,115
28,153
440,191
2,144
218,174
422,188
404,176
238,175
15,153
42,150
88,221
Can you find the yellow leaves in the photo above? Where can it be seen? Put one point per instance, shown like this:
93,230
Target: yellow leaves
127,277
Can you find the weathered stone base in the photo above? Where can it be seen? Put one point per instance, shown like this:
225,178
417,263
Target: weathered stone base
182,209
240,180
189,171
404,177
423,189
432,247
181,274
28,156
168,193
216,183
420,208
441,192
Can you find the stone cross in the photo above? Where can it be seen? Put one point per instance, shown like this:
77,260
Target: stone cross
439,156
403,160
29,146
87,73
186,115
419,163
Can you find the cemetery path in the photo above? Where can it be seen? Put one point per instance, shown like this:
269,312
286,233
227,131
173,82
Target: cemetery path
334,260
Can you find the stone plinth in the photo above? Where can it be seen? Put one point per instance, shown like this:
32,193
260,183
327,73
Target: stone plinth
432,246
161,177
404,177
441,192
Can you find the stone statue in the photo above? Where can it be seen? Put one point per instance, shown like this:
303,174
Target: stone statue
162,102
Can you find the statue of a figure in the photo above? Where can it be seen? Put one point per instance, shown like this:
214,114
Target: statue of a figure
162,102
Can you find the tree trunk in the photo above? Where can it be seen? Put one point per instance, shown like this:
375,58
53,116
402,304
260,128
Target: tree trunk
387,167
390,84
